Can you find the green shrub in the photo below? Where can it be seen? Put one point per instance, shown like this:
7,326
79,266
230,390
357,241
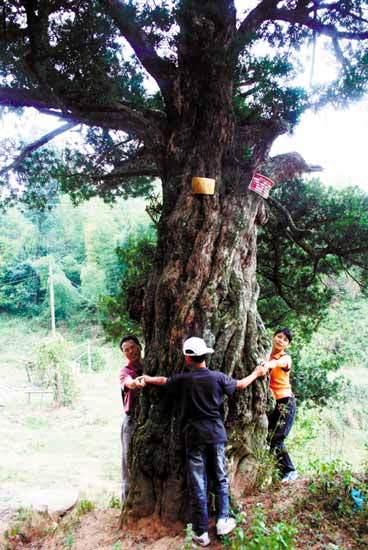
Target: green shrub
121,313
311,374
279,536
53,369
333,482
114,502
267,471
84,506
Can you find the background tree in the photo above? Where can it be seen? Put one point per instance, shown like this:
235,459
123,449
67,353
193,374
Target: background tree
304,249
80,242
220,105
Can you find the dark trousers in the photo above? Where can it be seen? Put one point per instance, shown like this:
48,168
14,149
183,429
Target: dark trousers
202,459
280,422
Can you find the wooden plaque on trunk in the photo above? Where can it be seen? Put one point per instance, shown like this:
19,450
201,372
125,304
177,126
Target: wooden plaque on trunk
203,186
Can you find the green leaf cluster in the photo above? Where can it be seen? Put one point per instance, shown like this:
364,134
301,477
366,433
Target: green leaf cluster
332,484
297,270
122,312
262,534
264,91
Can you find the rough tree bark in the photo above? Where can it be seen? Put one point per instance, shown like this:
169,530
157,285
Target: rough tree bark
204,280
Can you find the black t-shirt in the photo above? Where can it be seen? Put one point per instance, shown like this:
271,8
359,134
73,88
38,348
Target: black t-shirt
200,395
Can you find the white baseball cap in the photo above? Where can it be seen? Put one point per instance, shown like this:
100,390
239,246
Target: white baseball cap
196,346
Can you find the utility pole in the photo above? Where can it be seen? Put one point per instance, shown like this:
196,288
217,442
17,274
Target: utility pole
52,300
89,356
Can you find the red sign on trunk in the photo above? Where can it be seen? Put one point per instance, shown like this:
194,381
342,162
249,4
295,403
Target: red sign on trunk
261,185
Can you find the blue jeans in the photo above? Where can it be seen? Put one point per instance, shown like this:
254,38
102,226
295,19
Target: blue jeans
202,459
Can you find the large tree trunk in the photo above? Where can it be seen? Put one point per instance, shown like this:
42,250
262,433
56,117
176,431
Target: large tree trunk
204,280
204,284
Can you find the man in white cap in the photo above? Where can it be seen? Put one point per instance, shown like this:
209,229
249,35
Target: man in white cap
201,395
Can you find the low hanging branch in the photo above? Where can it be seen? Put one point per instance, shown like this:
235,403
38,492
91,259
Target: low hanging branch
141,164
288,217
29,149
146,125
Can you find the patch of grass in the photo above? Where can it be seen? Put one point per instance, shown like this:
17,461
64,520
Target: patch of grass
79,446
114,502
68,542
36,423
188,543
334,483
329,510
26,526
336,431
24,514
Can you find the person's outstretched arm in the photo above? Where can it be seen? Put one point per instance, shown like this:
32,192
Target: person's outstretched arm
155,380
131,383
284,362
260,370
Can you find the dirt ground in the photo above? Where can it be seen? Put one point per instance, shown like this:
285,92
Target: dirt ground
99,529
79,448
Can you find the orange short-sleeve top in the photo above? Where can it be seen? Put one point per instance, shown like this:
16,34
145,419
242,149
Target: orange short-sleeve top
280,376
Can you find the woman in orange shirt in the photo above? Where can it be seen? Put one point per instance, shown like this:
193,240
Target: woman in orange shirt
282,418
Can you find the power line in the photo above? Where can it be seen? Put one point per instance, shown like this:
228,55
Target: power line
20,278
18,281
80,294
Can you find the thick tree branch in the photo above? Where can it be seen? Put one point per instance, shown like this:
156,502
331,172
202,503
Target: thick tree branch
162,70
276,278
302,17
21,97
252,22
287,166
339,54
136,122
142,164
349,274
37,30
318,253
337,6
267,11
308,249
345,253
115,117
257,135
29,149
288,217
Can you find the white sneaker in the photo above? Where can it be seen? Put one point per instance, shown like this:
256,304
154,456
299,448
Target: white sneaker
202,540
225,525
290,476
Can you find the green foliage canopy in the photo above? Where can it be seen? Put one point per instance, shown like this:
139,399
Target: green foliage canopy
127,126
89,62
